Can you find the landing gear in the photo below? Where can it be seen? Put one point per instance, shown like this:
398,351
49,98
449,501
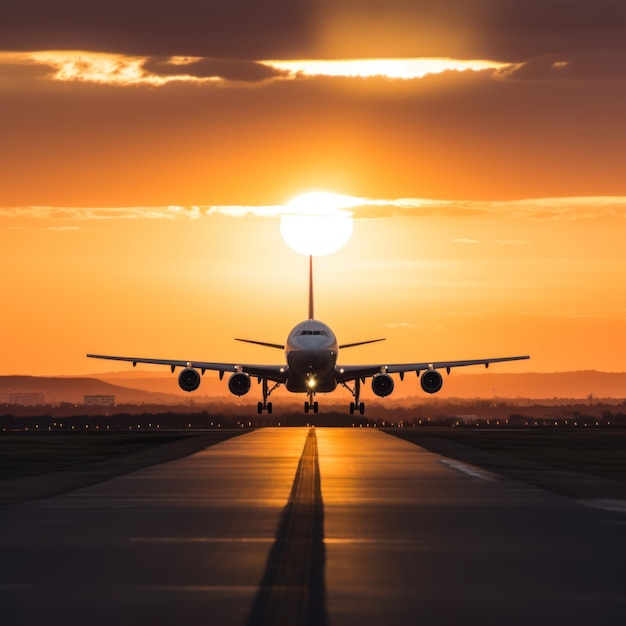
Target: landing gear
310,403
308,406
356,392
265,405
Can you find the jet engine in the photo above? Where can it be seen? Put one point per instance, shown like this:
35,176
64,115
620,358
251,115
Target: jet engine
189,379
239,384
431,381
382,385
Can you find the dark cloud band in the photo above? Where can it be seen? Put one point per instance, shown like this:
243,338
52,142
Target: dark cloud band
506,30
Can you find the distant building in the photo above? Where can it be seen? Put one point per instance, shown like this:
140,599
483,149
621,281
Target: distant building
27,398
99,400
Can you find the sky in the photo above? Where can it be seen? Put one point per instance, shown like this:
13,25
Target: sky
149,149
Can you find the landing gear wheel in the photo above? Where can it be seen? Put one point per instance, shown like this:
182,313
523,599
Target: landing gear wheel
361,408
315,407
307,406
269,407
352,407
259,407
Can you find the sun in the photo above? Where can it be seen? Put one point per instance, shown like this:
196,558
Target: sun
317,223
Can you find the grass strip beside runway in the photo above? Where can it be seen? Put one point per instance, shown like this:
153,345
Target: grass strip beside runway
581,464
600,453
44,465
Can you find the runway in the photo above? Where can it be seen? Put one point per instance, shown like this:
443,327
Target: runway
326,527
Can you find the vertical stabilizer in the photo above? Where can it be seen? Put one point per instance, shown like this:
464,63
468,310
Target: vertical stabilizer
311,287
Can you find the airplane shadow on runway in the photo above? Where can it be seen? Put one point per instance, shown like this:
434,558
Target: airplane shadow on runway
292,589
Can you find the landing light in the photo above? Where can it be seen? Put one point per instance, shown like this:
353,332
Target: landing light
311,382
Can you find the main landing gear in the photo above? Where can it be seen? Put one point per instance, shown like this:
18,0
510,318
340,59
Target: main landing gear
261,406
357,406
265,405
356,392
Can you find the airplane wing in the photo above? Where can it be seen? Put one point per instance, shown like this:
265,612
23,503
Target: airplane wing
276,373
347,373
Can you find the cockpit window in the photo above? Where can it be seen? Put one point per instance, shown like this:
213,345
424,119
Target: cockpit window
313,332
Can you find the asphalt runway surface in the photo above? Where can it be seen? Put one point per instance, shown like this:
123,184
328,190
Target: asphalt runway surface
320,527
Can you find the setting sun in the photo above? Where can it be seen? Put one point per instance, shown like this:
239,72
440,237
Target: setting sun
317,223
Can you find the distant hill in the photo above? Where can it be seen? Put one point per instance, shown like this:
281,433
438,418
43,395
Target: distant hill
578,385
167,383
162,388
74,390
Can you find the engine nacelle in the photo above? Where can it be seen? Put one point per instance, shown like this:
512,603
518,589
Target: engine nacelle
189,379
239,384
382,385
431,381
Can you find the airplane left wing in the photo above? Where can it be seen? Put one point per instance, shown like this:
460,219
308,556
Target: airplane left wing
276,373
347,373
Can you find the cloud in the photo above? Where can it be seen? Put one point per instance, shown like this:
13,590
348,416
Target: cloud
588,67
246,211
129,70
467,241
512,242
112,69
399,69
72,214
229,70
578,208
63,228
118,69
571,208
399,325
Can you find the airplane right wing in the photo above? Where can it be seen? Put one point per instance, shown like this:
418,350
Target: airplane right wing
347,373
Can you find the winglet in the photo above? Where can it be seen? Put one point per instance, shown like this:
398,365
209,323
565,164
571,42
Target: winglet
311,287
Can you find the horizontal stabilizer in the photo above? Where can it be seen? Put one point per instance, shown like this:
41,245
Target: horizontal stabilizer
279,346
359,343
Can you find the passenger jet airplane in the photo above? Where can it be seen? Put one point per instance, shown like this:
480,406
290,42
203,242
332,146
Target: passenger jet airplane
311,353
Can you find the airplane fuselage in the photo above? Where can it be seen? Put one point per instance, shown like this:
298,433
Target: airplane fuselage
311,352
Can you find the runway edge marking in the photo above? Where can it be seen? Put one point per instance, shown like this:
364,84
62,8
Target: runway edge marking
467,469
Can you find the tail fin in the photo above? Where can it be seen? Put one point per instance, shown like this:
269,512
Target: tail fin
311,287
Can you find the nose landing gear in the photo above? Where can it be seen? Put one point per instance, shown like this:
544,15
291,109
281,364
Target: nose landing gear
308,406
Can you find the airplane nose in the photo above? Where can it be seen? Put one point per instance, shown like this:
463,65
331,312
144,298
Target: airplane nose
315,363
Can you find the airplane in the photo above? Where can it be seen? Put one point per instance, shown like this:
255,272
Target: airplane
311,354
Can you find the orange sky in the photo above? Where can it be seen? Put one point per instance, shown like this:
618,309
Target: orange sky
499,224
